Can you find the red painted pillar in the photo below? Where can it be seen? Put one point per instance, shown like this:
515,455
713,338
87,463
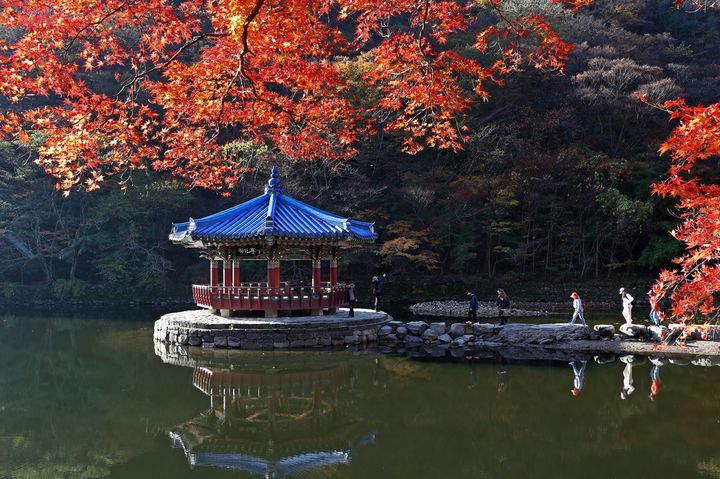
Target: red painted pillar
227,273
316,275
236,273
273,273
214,274
333,271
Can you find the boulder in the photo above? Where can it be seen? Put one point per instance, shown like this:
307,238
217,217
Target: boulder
445,338
545,333
395,324
430,334
411,341
438,327
457,329
388,338
233,342
658,333
385,330
483,328
638,331
604,330
401,331
221,341
417,327
194,341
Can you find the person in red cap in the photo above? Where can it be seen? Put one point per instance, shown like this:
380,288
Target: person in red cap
579,312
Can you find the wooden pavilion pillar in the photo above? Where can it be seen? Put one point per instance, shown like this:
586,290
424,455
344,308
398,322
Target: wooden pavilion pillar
333,269
235,273
316,274
214,274
227,273
214,279
273,274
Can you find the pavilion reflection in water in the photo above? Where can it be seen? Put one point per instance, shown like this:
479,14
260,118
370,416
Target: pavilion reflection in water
274,423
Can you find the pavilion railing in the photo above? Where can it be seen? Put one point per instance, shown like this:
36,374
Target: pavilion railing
260,297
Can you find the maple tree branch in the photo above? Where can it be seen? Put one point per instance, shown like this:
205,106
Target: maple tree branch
504,18
100,21
422,31
163,65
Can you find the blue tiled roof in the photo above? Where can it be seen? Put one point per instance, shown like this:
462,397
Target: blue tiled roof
273,215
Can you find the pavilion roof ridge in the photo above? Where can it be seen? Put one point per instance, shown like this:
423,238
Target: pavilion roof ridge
272,215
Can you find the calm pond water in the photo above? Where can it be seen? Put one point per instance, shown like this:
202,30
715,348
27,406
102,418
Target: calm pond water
83,398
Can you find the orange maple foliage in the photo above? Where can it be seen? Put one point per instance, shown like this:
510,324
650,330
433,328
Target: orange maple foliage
694,283
188,76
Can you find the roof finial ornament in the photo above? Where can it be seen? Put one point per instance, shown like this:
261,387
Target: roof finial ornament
274,185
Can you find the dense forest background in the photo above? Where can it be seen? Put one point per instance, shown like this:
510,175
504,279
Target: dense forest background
554,187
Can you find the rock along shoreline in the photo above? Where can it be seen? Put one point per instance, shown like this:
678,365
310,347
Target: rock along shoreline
543,341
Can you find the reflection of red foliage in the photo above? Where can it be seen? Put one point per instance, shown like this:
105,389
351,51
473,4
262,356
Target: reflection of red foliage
693,282
166,85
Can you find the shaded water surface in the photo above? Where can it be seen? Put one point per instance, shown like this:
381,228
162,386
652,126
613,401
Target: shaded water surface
84,398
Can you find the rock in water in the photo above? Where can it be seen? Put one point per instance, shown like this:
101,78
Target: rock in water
417,327
638,331
385,330
604,330
445,338
546,333
457,329
658,333
438,327
430,334
401,331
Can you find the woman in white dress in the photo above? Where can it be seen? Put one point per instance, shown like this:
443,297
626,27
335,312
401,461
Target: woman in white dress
627,305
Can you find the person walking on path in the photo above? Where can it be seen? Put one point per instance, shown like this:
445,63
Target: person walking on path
627,302
377,289
655,313
579,380
502,302
473,305
352,297
579,311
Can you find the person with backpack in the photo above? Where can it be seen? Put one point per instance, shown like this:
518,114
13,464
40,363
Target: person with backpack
473,306
627,303
502,302
579,309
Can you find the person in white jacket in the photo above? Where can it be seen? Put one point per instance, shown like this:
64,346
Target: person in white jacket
579,312
627,305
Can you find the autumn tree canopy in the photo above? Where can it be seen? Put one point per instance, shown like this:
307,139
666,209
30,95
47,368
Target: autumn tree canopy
187,77
694,284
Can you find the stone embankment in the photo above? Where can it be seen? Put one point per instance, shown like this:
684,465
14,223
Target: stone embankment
542,341
459,309
201,328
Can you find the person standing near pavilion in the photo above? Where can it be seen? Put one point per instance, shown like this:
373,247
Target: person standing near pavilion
473,306
627,303
502,302
352,297
377,289
579,311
